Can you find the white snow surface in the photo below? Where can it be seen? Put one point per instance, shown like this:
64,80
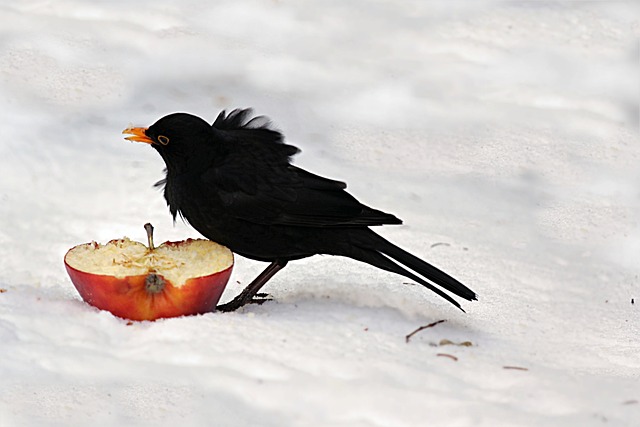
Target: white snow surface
504,134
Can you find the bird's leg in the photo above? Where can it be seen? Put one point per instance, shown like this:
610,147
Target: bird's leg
252,289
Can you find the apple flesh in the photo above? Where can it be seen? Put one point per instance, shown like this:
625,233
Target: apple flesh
137,282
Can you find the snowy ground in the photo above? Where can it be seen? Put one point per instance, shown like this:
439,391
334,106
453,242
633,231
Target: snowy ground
506,131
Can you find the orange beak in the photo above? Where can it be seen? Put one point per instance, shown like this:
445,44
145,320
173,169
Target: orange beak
138,135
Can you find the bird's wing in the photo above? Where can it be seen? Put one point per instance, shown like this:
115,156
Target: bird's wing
295,197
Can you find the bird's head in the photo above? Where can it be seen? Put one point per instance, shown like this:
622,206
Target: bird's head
180,138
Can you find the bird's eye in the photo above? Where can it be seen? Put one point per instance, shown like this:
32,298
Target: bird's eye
163,139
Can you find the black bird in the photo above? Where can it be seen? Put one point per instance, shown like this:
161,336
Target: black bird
234,183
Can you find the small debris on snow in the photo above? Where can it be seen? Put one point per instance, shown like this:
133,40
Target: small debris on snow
460,344
440,244
450,356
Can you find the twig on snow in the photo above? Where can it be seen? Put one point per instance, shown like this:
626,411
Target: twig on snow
421,328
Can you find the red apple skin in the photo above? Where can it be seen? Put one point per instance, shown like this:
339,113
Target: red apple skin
128,298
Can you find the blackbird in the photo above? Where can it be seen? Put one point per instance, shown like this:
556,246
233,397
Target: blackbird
234,183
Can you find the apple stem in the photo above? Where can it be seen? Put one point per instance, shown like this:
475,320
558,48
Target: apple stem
149,228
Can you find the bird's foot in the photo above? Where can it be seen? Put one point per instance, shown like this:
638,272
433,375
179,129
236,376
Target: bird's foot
261,298
249,294
242,300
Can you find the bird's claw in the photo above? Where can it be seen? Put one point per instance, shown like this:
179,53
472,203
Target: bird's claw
260,298
241,301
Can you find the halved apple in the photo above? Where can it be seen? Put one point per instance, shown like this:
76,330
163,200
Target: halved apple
137,282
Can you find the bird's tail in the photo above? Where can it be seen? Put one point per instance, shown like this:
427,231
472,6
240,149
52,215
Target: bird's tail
387,256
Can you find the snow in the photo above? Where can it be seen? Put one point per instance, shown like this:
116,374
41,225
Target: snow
504,134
